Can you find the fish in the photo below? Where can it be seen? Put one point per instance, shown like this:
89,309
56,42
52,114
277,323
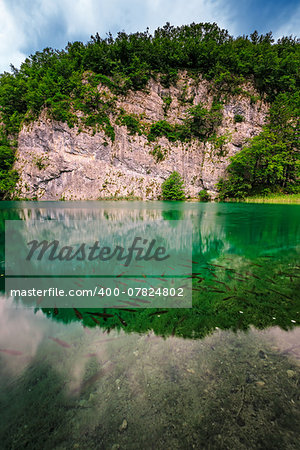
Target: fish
55,311
218,290
217,265
185,265
122,321
39,301
289,274
8,351
120,274
78,314
103,315
139,281
213,274
172,268
224,284
127,303
270,279
253,275
158,313
141,300
128,310
162,279
92,379
60,342
95,320
239,274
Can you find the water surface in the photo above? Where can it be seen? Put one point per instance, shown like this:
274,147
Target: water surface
223,374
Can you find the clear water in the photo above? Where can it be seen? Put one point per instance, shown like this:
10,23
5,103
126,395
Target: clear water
224,374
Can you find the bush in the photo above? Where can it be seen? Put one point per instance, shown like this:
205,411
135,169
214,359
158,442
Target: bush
204,196
159,153
238,118
173,187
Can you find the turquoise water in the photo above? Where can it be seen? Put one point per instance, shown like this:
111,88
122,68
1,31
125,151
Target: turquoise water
223,374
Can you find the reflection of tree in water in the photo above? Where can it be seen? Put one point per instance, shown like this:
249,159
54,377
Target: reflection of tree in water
245,263
228,298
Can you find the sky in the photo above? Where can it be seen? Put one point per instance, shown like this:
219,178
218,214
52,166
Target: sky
27,26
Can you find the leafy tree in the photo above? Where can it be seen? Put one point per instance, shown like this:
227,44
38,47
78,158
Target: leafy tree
173,187
64,82
271,162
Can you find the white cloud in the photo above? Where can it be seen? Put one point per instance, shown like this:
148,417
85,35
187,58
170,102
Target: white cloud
10,36
291,27
30,25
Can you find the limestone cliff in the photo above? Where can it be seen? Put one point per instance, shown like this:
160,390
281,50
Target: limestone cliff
57,162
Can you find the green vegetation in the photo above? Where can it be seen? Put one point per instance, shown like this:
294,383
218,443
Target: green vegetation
159,153
65,83
40,162
273,198
166,104
270,163
238,118
204,196
199,123
131,121
8,176
173,187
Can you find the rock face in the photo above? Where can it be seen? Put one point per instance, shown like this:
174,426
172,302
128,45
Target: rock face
57,162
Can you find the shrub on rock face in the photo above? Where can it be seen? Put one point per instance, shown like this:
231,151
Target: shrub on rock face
204,196
173,187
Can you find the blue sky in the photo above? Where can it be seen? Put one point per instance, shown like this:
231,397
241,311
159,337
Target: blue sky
30,25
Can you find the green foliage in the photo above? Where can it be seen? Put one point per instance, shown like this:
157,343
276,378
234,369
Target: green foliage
271,162
166,104
219,143
40,162
238,118
204,196
203,122
65,82
171,132
173,187
158,153
132,123
8,176
200,123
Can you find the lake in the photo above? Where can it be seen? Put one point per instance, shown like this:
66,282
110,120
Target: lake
223,373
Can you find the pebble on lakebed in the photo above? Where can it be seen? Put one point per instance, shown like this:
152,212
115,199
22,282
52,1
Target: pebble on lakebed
123,426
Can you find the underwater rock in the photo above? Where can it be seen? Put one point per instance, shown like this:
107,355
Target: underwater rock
291,373
123,426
